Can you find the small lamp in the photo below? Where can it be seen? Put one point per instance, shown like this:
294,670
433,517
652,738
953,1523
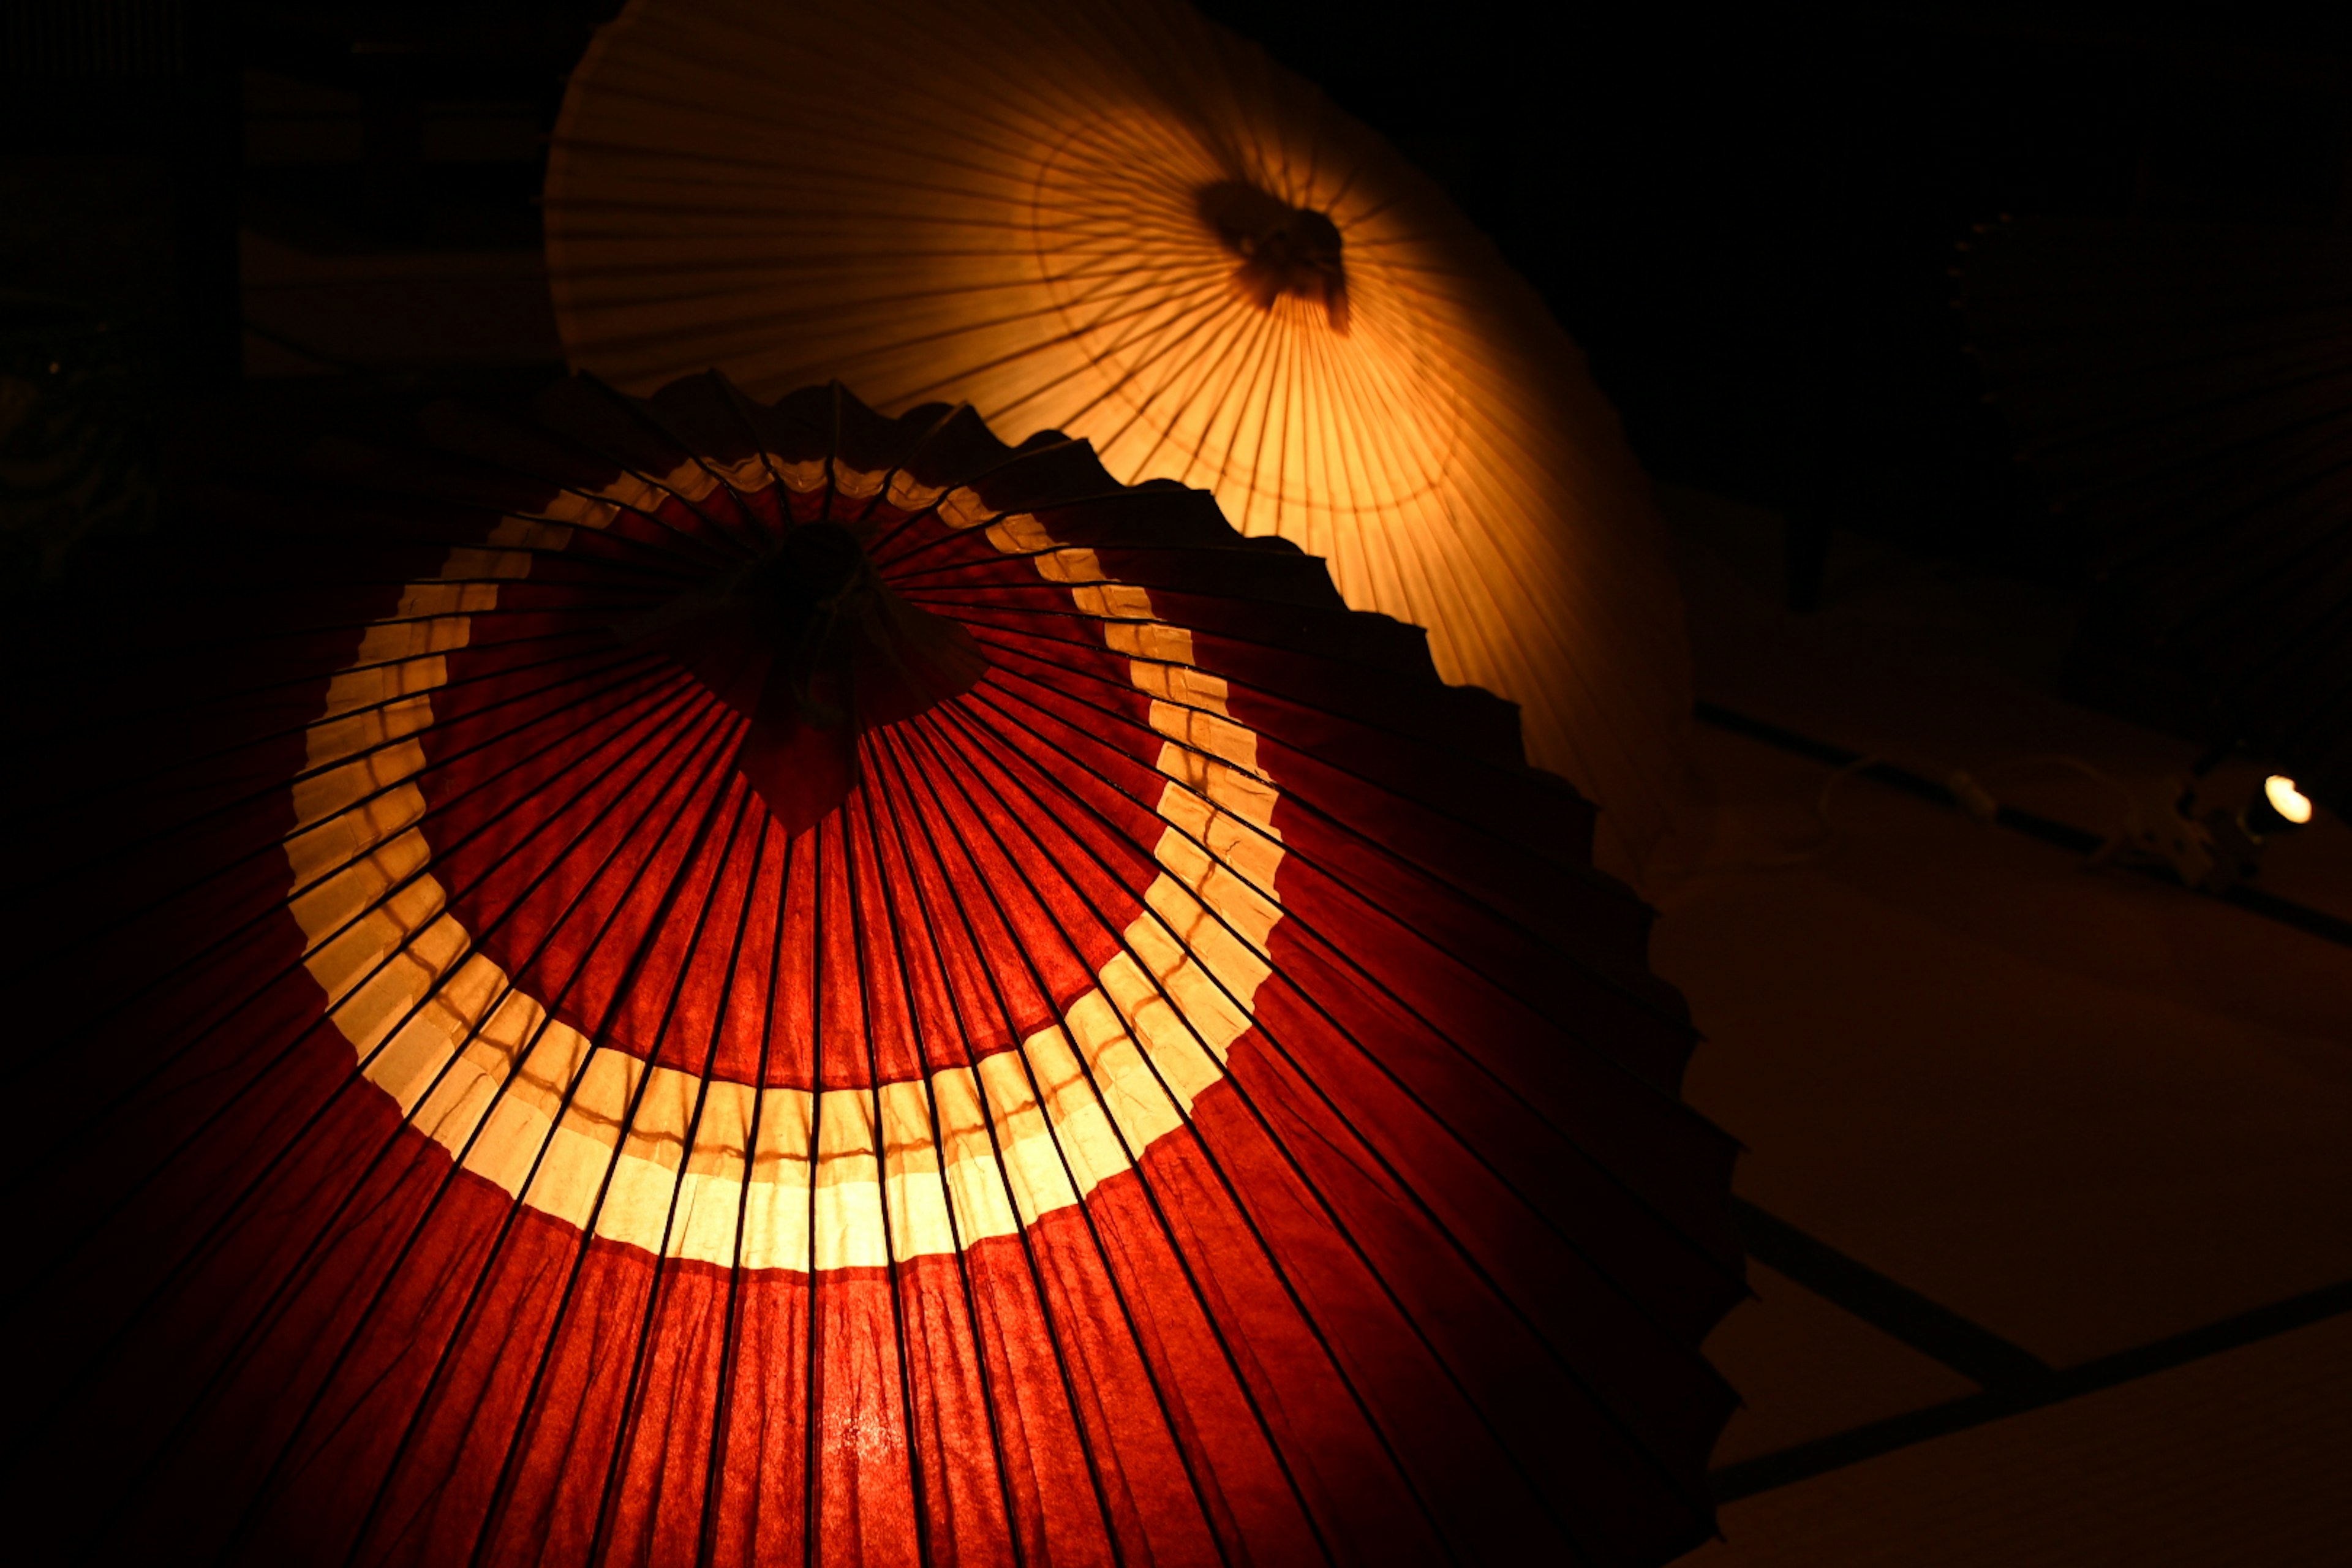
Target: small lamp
2238,835
2277,807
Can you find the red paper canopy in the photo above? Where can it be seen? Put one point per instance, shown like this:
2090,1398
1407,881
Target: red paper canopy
1170,1089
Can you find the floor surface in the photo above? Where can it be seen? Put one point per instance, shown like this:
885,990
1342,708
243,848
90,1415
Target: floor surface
2049,1178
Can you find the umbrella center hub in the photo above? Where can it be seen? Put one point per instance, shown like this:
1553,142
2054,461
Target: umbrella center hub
1284,250
812,571
810,645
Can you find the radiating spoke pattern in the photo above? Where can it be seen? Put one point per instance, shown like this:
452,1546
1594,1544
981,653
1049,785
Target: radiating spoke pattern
1189,1101
1002,203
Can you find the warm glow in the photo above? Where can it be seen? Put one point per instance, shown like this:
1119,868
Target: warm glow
2285,799
1119,222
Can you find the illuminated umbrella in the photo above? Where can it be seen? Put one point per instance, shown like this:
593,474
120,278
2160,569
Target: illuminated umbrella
1114,219
2185,389
1174,1093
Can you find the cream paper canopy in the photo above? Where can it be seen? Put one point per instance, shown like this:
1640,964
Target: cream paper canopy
1071,216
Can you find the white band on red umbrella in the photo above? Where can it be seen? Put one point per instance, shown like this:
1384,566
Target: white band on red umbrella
477,1064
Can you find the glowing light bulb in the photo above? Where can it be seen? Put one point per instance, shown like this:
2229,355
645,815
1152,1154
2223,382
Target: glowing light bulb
2285,799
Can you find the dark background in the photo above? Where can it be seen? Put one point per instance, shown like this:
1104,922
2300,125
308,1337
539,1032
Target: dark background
1747,216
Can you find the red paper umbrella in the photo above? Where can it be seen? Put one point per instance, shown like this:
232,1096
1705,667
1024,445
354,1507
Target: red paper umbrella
684,980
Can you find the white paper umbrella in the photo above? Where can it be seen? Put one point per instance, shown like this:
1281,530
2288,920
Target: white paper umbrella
1120,222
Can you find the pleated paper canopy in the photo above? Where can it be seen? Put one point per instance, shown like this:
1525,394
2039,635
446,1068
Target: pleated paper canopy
1183,1097
2185,389
1116,220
